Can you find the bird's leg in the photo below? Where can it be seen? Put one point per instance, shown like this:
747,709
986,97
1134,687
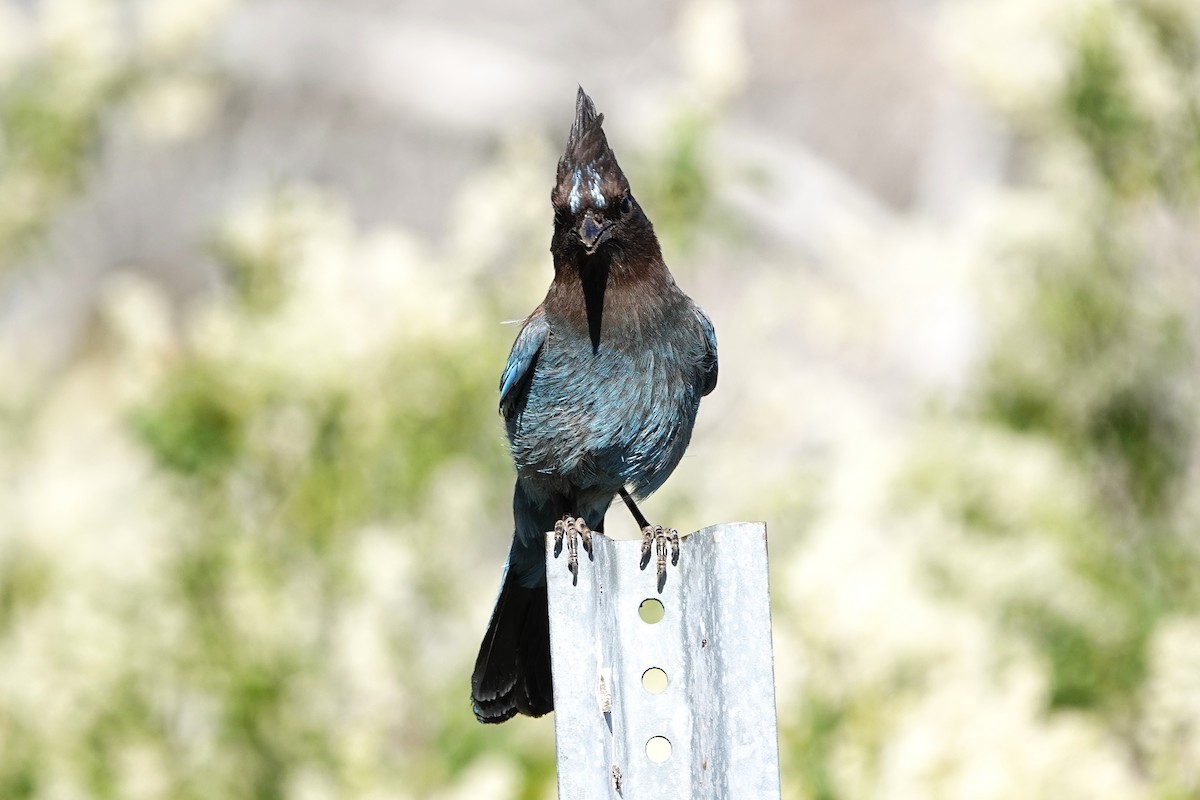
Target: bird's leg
655,539
573,530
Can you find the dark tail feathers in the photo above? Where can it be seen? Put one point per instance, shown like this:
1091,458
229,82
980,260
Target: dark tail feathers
512,672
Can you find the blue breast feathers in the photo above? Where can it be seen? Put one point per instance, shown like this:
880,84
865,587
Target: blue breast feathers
580,419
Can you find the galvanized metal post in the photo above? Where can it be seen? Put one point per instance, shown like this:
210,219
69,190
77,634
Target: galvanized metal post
665,695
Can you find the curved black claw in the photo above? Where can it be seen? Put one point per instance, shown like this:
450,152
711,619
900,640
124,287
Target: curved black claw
656,538
573,530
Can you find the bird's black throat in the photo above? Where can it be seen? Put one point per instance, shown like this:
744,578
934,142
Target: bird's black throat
594,280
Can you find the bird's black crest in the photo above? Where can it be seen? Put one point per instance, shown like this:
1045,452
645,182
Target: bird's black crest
587,158
587,141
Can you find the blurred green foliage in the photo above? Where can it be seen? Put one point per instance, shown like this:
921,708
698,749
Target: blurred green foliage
1138,144
196,427
676,181
1094,359
278,518
1056,498
1100,362
49,126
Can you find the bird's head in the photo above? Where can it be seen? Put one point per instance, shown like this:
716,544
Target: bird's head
591,198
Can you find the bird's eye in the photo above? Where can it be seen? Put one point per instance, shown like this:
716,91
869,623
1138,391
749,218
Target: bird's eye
626,205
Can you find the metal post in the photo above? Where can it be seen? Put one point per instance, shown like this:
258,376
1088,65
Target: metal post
679,708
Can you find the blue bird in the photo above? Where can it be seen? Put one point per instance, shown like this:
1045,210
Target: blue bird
599,397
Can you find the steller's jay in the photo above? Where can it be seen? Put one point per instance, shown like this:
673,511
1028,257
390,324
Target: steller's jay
599,396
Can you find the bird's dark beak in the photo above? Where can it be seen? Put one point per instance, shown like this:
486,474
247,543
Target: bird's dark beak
593,231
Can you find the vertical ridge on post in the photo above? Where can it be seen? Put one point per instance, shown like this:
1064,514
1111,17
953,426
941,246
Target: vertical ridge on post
710,731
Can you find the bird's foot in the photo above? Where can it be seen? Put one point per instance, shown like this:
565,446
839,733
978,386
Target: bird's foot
573,530
656,539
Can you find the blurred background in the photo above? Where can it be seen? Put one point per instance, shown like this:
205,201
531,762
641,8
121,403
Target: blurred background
254,492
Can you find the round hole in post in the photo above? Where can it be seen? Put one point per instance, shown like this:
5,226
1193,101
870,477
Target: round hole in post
658,749
654,680
651,610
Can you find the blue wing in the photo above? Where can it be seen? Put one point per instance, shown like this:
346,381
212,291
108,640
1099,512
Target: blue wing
708,364
521,360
